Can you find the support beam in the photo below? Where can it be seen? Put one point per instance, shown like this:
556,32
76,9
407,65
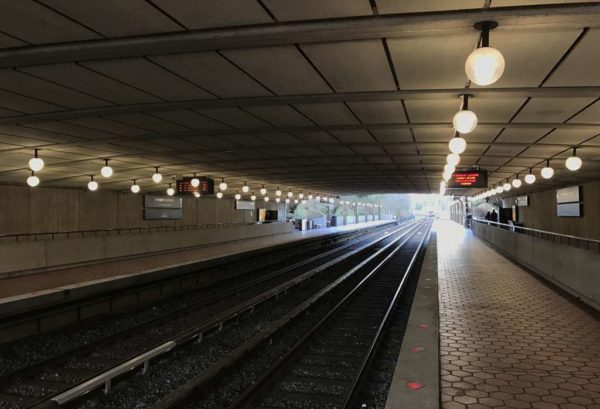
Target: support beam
553,16
307,129
421,94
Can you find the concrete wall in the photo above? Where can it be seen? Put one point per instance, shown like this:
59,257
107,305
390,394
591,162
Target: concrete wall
541,213
30,255
571,268
26,210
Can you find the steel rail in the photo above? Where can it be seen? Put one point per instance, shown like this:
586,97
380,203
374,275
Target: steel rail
253,392
235,358
368,359
197,331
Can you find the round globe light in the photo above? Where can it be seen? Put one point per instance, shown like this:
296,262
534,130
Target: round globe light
170,191
318,197
266,198
457,145
197,195
106,171
278,199
301,196
485,66
263,191
499,189
36,164
238,196
465,121
287,200
449,168
223,185
517,183
253,197
573,163
278,192
33,181
92,185
219,195
296,201
310,196
245,188
290,194
547,172
446,176
529,178
135,188
157,178
195,182
453,159
506,186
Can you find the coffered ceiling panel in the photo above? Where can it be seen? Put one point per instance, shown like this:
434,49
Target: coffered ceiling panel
352,65
296,93
283,70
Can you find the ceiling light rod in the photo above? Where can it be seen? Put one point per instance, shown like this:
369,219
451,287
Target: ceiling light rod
465,104
485,27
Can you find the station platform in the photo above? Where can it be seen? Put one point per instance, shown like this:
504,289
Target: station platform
508,339
71,278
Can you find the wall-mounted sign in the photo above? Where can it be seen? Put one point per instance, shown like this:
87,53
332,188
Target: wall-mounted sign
523,201
568,202
163,214
245,205
468,179
163,207
568,195
164,202
207,185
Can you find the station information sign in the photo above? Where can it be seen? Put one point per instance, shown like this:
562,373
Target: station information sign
467,179
207,185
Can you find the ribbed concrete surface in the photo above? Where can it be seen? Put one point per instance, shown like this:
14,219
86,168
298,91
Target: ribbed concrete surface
508,340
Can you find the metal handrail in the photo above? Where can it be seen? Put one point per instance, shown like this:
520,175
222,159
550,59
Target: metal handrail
543,234
129,230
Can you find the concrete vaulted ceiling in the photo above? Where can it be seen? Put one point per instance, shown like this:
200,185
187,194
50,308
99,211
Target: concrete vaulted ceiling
338,97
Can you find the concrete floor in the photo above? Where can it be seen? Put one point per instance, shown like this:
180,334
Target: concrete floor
507,339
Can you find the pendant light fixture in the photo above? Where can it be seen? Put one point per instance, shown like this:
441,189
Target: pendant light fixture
465,121
573,162
157,177
452,159
219,195
36,163
506,186
263,190
195,181
530,177
135,188
237,196
485,65
547,171
245,188
517,182
106,170
92,184
278,192
33,180
170,190
223,185
253,197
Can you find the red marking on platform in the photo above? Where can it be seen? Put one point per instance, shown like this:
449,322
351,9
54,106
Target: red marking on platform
423,326
417,349
415,386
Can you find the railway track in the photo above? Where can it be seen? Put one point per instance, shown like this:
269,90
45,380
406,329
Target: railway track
69,376
318,355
